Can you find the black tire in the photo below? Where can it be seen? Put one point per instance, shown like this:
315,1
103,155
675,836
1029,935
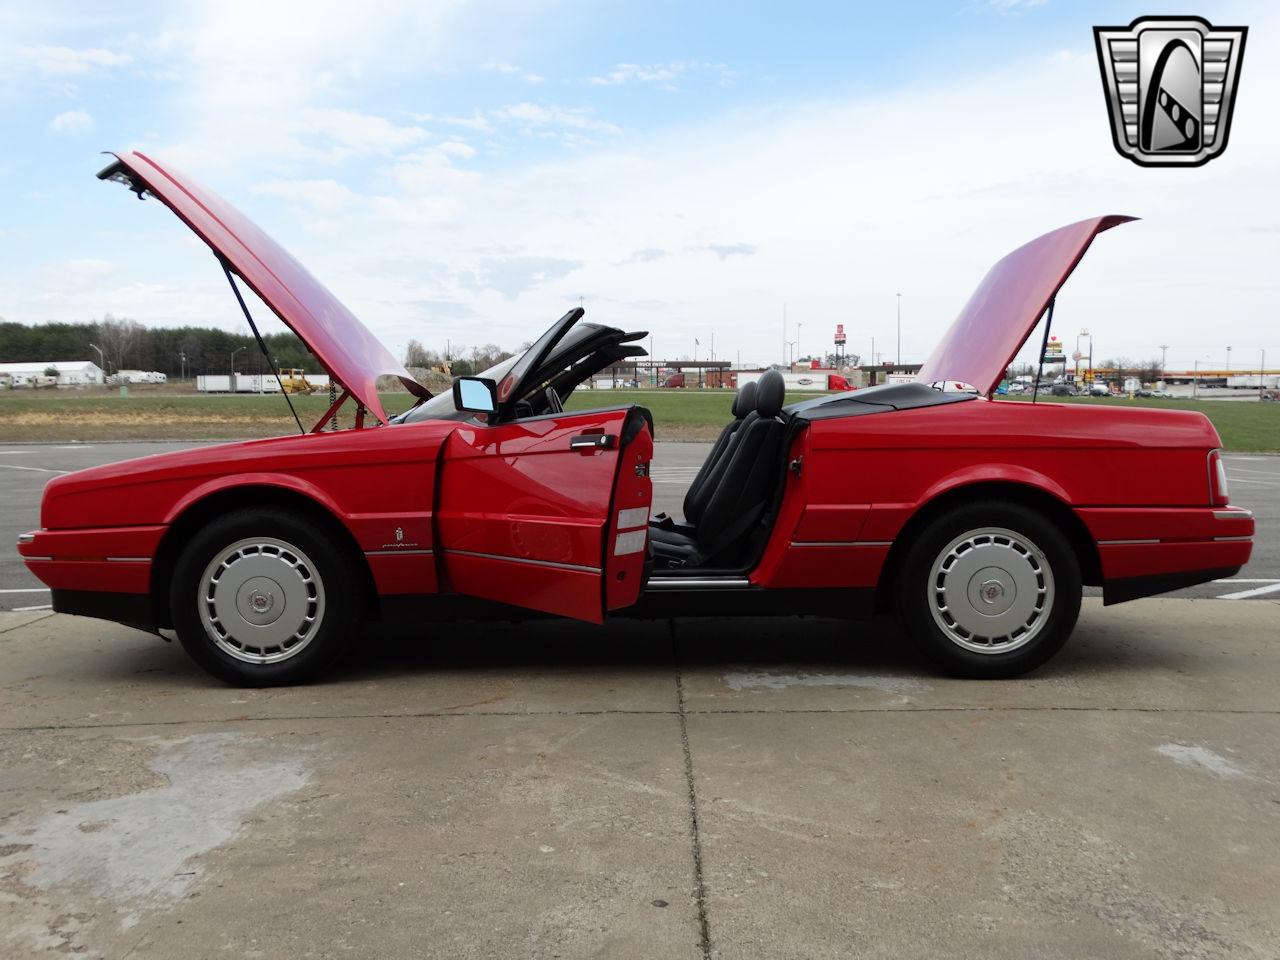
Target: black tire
923,592
309,555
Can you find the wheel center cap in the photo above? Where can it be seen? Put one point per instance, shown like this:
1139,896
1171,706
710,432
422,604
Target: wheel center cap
991,591
260,601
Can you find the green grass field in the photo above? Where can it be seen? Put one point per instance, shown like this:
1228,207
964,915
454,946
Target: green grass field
679,414
1245,426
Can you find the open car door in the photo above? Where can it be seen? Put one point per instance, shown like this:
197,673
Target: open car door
549,513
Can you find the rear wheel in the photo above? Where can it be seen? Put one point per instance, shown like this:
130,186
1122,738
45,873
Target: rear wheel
990,590
262,598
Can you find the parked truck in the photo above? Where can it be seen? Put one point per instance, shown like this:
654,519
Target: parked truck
804,380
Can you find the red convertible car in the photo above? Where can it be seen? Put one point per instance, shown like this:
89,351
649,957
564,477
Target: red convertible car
977,521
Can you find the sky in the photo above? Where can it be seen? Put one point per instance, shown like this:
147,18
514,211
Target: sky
748,174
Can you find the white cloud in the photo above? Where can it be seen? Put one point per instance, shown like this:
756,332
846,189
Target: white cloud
546,115
501,66
65,61
275,80
71,122
663,75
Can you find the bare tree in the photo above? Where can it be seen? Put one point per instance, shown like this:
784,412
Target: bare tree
119,338
416,355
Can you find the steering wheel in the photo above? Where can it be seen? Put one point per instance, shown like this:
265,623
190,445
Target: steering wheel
553,401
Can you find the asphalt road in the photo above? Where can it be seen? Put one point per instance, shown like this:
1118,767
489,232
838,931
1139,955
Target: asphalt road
26,468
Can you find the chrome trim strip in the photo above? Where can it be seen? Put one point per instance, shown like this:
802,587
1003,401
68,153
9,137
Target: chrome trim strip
398,553
26,537
1107,543
528,560
1229,539
841,543
127,559
691,583
1241,514
38,558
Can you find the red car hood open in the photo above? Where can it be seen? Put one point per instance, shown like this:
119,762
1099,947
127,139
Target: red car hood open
1003,311
350,353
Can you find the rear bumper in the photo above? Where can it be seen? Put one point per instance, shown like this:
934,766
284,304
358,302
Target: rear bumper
1145,551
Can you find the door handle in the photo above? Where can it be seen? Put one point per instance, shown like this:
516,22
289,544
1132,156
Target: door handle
592,441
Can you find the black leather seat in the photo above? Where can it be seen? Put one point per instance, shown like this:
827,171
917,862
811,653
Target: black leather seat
737,490
695,498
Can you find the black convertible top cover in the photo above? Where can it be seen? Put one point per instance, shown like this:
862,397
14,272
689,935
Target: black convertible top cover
885,398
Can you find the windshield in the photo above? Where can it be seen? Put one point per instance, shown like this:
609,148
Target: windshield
440,407
570,348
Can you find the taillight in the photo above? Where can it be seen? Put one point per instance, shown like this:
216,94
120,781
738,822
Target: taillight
1217,478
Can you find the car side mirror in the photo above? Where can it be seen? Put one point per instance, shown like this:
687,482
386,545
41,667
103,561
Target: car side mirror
475,395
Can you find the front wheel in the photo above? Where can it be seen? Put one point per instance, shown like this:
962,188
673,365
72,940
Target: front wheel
990,590
263,598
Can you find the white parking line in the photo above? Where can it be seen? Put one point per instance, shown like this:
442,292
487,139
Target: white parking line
43,606
12,453
27,590
14,466
1255,592
1247,580
1261,483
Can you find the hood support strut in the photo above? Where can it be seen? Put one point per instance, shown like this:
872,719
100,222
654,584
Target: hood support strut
1044,345
226,268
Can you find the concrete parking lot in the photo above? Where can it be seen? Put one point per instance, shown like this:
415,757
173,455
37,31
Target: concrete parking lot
777,788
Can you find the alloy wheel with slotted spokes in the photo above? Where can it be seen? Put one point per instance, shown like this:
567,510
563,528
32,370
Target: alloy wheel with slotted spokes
991,590
261,600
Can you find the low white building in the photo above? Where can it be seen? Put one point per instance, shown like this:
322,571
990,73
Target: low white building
71,373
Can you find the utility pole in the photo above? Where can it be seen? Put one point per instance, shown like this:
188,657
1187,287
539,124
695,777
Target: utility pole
1262,373
1195,378
784,332
1164,349
1228,359
797,354
899,330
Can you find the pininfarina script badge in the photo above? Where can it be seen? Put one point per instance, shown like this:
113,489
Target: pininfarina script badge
1170,84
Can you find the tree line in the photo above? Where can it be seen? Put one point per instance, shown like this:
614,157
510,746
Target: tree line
190,351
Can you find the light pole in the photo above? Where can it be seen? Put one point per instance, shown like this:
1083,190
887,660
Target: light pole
784,331
797,354
791,347
102,362
1228,359
1164,349
233,359
899,363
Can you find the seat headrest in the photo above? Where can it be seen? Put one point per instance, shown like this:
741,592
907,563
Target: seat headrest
771,388
745,400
